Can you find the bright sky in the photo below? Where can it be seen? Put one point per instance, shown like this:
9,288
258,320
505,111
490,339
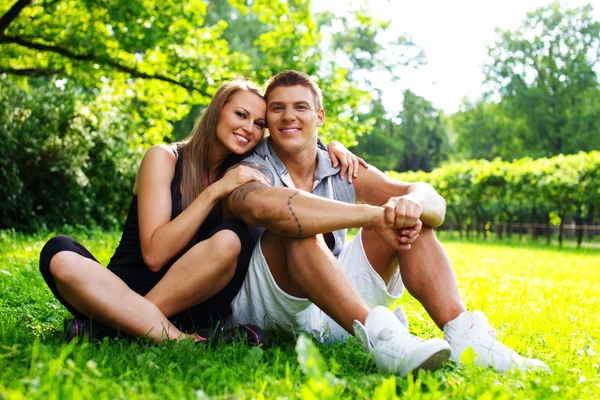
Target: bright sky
454,35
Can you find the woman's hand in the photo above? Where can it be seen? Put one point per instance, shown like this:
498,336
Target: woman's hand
349,162
237,176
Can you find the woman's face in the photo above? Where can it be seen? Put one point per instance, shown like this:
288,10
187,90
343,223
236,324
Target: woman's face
242,122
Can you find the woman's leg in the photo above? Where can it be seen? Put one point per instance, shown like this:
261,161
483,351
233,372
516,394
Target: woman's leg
207,277
198,275
85,286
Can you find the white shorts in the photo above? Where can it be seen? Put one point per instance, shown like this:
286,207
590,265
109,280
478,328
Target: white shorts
261,302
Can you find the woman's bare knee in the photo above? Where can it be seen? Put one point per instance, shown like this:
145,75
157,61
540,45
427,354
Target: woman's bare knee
226,243
65,265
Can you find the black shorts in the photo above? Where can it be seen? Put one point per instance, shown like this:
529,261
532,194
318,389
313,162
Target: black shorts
204,315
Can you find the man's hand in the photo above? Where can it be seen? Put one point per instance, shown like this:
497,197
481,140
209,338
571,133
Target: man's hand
403,212
399,239
409,235
402,218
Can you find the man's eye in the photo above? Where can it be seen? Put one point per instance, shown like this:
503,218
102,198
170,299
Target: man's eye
277,108
301,107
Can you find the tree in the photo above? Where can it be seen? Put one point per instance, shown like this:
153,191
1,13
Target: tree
546,75
419,142
485,130
382,145
140,72
423,133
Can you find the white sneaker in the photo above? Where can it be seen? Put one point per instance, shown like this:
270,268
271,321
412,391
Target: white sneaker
394,349
471,329
401,315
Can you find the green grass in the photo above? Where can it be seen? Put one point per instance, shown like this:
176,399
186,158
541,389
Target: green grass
543,302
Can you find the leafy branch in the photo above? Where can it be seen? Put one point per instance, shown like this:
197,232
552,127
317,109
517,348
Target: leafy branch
133,71
11,14
33,72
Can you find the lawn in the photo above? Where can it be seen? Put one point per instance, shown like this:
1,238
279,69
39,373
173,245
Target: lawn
542,300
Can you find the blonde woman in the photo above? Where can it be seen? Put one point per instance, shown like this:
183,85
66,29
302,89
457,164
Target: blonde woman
179,263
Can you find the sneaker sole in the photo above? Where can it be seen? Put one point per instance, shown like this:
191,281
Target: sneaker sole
436,361
433,356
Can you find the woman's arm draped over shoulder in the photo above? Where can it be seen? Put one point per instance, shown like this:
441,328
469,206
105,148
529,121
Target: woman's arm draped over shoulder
347,160
162,239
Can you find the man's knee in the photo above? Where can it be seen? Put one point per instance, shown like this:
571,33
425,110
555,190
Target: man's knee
287,244
295,245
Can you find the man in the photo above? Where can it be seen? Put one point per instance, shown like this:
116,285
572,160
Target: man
300,260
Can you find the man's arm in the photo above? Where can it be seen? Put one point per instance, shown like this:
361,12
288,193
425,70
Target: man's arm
375,188
297,213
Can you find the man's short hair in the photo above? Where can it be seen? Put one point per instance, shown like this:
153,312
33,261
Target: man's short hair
291,78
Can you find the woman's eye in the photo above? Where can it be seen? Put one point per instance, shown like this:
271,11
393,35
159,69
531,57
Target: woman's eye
260,125
240,114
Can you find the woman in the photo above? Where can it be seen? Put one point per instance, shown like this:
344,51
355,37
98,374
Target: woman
179,264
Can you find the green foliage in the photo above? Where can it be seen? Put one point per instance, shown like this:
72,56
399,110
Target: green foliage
59,163
546,74
542,302
110,79
321,384
419,142
484,130
525,190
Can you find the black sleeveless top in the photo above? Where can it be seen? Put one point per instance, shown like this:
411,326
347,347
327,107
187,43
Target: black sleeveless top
128,263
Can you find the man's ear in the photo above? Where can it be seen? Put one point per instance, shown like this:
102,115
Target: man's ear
320,117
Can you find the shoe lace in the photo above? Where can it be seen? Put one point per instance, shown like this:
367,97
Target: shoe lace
399,340
500,347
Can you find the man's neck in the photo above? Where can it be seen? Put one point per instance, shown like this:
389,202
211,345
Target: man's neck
300,165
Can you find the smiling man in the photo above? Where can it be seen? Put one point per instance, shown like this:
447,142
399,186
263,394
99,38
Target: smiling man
302,275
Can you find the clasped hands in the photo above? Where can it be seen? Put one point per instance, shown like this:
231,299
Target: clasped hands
401,224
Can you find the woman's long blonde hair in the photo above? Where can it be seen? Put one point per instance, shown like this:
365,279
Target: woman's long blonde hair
200,144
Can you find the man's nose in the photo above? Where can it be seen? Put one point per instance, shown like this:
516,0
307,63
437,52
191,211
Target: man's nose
289,114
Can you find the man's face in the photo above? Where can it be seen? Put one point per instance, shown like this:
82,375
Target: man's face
293,119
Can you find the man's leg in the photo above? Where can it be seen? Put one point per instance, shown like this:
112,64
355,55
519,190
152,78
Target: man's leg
426,272
428,275
306,268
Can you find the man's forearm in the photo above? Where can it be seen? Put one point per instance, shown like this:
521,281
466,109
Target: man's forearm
296,213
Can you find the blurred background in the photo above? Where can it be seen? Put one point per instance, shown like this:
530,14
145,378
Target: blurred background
496,103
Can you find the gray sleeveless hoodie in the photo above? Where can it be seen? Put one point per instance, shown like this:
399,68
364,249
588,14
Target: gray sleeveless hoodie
327,182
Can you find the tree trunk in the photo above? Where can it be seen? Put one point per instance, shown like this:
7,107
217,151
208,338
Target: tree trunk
560,229
548,229
521,217
499,230
485,233
534,231
590,221
579,226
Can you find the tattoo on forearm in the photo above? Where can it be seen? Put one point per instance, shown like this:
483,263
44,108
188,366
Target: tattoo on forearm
289,204
240,193
260,168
